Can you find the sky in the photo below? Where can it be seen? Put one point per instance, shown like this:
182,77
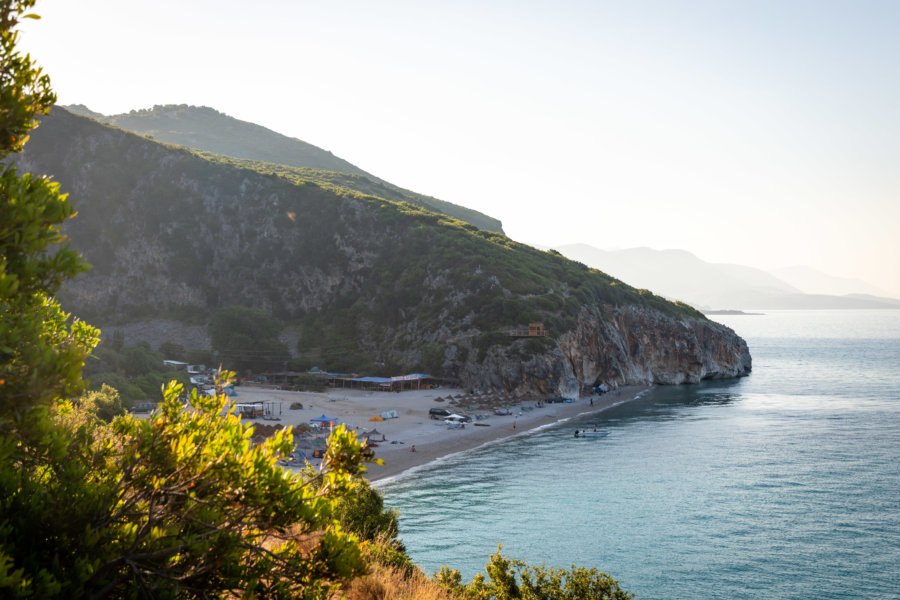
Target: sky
757,132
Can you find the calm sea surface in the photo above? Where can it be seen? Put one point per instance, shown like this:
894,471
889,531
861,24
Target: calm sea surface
783,484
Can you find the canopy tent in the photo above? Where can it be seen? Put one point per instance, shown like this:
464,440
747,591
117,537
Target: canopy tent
396,383
325,421
372,379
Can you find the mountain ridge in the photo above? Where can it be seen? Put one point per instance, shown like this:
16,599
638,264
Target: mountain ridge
207,129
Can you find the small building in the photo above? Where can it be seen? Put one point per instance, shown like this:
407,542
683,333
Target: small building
250,410
532,330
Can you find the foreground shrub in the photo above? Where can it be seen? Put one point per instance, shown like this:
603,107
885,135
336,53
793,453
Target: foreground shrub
509,579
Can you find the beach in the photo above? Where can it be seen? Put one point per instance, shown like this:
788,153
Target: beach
413,439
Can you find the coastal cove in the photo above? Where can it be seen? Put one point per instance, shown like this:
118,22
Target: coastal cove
432,439
390,362
435,443
778,485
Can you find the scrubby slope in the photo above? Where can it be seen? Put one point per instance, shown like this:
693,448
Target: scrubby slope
360,279
207,129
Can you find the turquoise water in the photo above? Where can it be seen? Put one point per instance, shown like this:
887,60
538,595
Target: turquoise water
784,484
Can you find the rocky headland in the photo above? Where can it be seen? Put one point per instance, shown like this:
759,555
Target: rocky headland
359,282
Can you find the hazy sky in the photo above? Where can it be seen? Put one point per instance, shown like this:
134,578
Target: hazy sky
757,132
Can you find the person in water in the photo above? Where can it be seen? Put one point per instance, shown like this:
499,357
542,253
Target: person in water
576,433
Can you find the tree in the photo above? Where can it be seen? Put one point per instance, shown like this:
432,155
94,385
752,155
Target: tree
24,90
194,509
510,579
41,351
178,505
104,404
172,351
247,339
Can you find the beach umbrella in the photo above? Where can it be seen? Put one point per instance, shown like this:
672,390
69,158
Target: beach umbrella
372,434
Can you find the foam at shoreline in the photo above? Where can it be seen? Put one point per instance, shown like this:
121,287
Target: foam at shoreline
413,428
598,407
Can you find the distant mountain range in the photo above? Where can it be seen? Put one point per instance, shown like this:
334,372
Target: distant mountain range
812,281
207,129
679,275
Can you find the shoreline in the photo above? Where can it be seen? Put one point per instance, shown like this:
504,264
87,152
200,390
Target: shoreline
432,439
401,463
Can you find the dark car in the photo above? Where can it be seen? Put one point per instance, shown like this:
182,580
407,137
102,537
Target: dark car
143,407
439,413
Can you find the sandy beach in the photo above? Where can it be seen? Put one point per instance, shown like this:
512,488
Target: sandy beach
413,428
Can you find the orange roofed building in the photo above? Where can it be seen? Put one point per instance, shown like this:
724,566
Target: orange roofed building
533,330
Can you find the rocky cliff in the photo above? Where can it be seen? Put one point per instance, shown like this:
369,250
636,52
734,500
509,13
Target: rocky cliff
616,346
360,282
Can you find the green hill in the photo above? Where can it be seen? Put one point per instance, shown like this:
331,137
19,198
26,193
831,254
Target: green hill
358,281
209,130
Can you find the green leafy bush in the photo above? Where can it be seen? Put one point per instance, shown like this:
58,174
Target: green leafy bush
509,579
104,404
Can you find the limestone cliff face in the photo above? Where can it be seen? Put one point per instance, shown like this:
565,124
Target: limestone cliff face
621,346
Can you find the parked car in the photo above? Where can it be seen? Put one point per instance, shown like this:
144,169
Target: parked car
458,419
143,407
439,413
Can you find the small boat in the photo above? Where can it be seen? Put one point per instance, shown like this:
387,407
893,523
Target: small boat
596,433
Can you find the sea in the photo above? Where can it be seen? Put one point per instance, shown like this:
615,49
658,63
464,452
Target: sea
782,484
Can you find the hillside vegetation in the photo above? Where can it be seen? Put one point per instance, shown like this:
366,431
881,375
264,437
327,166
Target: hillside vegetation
360,281
207,129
